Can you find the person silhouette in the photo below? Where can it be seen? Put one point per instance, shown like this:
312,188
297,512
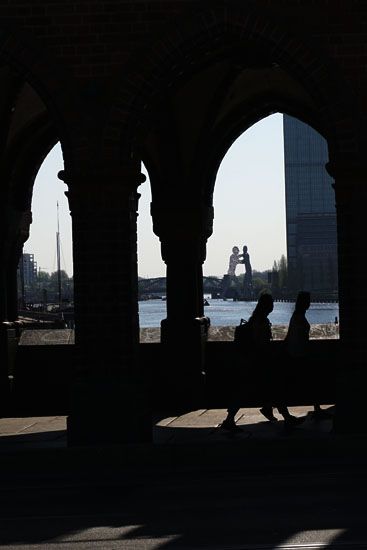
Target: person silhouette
259,356
298,333
297,341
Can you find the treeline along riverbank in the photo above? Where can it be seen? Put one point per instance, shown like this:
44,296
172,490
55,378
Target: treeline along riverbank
155,288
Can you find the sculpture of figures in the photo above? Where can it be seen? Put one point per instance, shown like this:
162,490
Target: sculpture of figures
247,282
234,260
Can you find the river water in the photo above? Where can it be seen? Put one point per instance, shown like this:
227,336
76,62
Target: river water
228,313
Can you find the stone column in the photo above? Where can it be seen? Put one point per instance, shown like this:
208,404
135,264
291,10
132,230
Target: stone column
14,234
108,404
3,283
183,232
4,357
351,195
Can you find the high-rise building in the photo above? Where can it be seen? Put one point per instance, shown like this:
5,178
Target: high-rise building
310,212
28,269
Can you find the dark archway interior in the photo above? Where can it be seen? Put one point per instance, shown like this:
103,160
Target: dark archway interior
177,103
173,85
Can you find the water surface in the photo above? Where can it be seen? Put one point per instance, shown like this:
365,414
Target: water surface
228,313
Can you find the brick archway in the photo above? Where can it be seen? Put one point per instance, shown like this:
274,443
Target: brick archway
51,82
238,122
25,157
223,31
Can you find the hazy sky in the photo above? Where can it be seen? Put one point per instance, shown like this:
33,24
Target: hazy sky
249,208
249,205
48,189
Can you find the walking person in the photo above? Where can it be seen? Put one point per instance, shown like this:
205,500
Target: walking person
258,354
297,342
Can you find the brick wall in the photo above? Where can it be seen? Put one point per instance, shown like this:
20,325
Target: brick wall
95,39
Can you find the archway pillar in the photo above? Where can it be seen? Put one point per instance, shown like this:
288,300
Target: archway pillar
108,404
14,232
4,325
183,232
351,199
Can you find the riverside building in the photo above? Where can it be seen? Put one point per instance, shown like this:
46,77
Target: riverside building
310,212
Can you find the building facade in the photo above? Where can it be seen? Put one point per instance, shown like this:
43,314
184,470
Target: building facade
310,212
28,269
27,276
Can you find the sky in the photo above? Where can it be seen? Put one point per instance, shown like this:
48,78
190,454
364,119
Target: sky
249,208
47,191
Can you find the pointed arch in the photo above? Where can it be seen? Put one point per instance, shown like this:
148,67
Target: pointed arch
228,31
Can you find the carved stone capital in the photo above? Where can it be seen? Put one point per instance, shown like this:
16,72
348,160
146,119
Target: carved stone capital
182,223
126,176
189,251
350,184
343,170
24,225
90,189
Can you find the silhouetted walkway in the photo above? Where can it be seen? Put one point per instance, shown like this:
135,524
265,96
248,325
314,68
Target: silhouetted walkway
199,426
196,487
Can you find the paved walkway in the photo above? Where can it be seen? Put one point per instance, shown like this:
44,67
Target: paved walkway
197,486
196,427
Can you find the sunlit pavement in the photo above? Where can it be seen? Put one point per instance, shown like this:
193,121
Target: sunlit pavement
199,426
205,424
194,441
195,487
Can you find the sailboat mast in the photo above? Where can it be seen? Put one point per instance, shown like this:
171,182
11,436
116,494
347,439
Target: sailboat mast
58,255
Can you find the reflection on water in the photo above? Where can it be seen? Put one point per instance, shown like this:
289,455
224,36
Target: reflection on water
228,313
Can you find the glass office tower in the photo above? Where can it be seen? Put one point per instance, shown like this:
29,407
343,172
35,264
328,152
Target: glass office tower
310,212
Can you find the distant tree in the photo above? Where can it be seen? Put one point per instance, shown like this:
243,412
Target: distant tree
283,272
275,278
46,284
259,285
43,276
279,276
63,276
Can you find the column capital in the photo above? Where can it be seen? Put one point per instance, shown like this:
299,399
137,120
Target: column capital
350,179
189,251
26,219
122,176
347,170
182,223
112,187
